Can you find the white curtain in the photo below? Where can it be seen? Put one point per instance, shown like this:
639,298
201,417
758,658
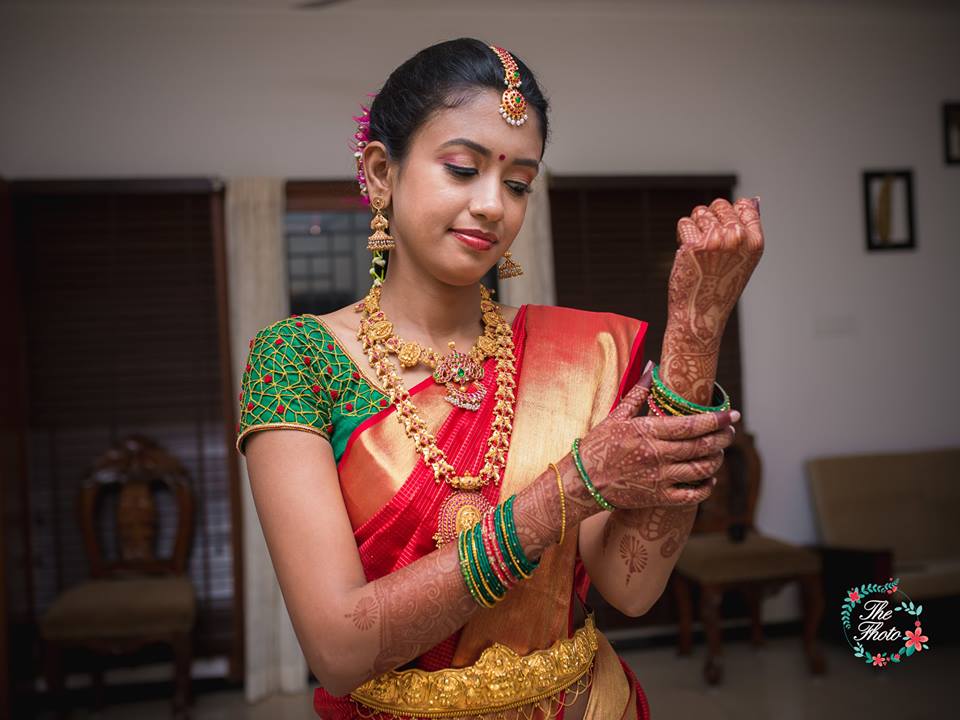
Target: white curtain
533,249
258,296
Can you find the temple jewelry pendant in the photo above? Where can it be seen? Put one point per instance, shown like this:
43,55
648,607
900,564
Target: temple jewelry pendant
461,511
460,373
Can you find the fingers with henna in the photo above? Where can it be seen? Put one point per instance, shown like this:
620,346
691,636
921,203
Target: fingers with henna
693,470
694,495
683,450
685,427
631,403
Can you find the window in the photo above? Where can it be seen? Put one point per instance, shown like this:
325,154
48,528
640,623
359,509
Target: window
326,228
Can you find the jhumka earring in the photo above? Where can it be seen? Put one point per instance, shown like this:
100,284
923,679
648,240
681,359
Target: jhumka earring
510,268
380,240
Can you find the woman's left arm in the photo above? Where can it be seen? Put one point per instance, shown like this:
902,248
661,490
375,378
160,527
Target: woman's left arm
719,248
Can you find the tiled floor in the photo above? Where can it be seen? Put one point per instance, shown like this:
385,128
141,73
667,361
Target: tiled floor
771,682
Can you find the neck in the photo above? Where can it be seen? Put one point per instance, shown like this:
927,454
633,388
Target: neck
429,310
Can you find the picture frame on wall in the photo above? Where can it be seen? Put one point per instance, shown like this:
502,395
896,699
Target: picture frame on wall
888,204
951,133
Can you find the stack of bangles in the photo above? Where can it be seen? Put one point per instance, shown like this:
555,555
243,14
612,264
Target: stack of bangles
492,559
662,402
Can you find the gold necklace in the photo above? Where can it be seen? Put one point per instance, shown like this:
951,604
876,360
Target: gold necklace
464,508
460,372
410,352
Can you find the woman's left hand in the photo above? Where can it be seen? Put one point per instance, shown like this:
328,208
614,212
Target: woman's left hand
719,246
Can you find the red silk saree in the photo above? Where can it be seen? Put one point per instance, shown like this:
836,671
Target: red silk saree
572,367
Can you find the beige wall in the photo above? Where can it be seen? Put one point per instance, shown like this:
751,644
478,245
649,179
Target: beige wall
795,97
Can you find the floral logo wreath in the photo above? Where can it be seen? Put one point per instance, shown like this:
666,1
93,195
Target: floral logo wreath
871,616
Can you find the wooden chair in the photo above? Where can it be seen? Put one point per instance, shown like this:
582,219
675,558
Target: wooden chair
725,552
133,598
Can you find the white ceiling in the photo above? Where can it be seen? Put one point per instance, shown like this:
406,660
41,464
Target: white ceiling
373,6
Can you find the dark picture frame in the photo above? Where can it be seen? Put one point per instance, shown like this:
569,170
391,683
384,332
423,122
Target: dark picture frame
951,133
888,208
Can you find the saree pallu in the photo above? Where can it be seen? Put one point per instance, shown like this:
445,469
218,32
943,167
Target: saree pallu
572,367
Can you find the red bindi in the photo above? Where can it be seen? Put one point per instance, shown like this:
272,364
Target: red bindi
502,156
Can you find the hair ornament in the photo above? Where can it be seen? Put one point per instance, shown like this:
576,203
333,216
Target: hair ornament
360,139
513,105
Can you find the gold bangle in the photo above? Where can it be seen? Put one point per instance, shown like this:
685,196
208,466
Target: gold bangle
563,505
479,597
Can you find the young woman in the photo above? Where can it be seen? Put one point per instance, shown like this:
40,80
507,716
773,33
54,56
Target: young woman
464,469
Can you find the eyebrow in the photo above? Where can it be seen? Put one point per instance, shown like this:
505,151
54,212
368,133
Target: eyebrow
481,150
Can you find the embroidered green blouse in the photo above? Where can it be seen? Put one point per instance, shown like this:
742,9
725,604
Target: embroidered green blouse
298,376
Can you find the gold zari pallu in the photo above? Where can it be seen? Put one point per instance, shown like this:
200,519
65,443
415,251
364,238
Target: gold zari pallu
500,680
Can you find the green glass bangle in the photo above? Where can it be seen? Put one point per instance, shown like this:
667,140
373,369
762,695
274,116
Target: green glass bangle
516,565
502,543
465,570
485,590
601,501
492,580
685,404
528,565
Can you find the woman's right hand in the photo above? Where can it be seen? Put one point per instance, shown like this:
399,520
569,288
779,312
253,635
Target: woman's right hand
644,461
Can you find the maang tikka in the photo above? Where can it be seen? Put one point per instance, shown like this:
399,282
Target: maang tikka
513,109
513,105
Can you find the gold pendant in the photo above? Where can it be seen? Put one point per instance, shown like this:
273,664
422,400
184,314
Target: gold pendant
459,512
462,398
457,371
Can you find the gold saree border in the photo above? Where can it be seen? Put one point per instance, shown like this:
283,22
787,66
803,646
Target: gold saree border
573,366
611,695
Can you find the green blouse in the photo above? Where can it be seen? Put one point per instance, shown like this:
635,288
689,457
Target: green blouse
298,376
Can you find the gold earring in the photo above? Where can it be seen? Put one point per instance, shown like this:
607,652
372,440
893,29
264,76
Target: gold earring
510,268
380,240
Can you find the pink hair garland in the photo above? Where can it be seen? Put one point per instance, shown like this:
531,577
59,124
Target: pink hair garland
360,139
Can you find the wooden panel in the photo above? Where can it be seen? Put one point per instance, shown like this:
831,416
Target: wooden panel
614,244
122,290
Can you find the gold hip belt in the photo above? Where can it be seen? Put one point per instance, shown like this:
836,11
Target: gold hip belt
499,680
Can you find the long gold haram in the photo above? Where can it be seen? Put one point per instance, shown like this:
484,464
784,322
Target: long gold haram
464,508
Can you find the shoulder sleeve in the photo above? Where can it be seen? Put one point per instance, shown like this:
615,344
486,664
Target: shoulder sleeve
279,388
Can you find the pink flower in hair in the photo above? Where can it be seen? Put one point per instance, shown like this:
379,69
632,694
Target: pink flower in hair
360,139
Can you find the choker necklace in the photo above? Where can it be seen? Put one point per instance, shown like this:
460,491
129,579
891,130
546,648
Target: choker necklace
460,372
463,508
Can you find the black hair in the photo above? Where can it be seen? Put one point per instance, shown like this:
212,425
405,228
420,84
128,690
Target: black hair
443,76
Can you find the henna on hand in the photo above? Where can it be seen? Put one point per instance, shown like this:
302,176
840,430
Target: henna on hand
719,247
637,461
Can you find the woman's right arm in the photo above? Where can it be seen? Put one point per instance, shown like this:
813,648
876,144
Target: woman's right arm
349,629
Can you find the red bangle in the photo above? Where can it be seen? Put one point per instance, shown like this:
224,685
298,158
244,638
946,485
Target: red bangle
493,550
654,408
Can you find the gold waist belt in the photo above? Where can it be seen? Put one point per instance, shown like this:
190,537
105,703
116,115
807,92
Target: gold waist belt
499,680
